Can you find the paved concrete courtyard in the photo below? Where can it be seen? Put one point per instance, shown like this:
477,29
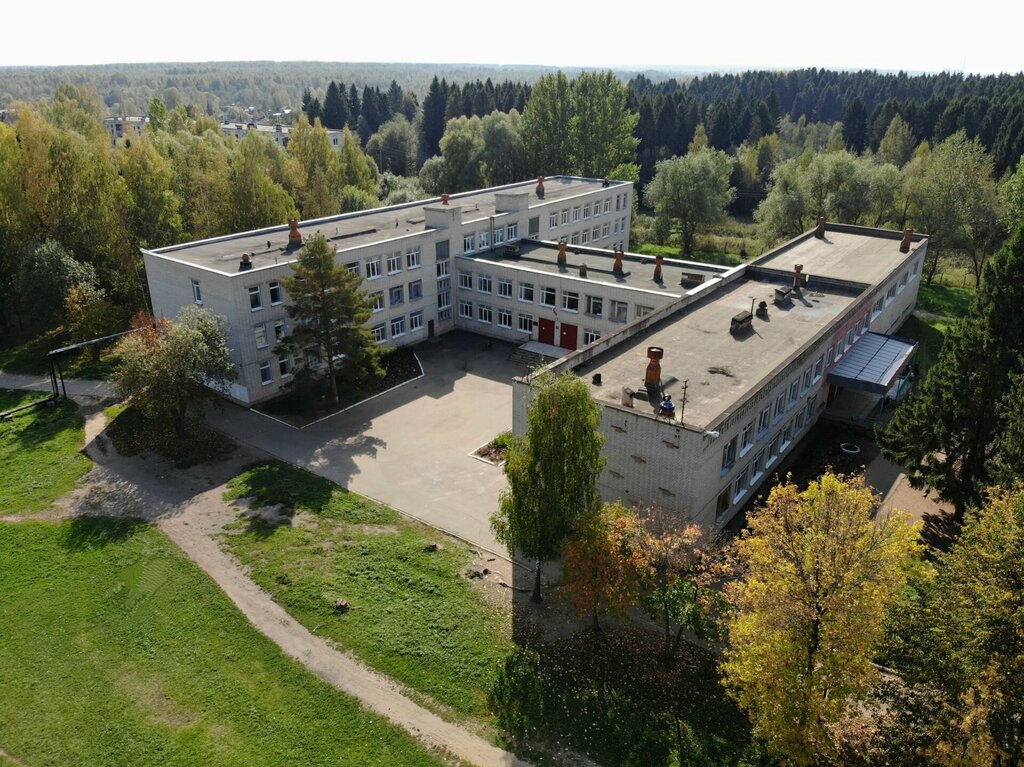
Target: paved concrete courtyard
409,447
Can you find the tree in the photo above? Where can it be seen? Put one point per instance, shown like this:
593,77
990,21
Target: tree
552,471
786,211
897,145
545,126
691,191
169,369
504,156
89,315
1012,193
432,123
945,434
46,275
394,147
818,572
330,312
601,127
855,126
603,562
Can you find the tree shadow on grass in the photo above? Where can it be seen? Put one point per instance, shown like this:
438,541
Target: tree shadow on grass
614,696
274,482
89,533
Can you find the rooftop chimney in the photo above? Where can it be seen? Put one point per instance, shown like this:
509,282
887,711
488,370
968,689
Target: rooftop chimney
820,231
653,375
444,199
583,270
798,277
657,269
540,187
908,233
561,254
246,263
604,183
617,266
294,238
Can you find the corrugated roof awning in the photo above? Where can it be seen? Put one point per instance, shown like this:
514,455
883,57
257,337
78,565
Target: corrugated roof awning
873,363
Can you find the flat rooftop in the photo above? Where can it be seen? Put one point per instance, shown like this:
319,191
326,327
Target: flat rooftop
352,230
721,369
852,254
677,276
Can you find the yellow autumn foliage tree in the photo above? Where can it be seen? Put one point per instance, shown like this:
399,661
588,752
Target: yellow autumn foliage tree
818,571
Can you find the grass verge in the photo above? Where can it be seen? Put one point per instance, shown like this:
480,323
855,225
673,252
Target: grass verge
29,357
118,651
40,456
413,615
930,334
945,300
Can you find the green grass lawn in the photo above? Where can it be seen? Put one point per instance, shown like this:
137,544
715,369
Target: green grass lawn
39,452
29,357
413,616
930,334
117,651
945,300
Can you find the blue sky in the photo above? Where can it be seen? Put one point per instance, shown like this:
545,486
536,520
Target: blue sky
982,36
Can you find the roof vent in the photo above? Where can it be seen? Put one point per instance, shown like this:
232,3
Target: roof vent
652,376
657,269
762,310
540,187
908,235
617,266
294,237
799,278
782,296
583,270
820,231
561,254
741,323
444,198
246,263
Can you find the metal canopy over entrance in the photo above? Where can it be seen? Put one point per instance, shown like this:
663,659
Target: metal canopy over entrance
873,364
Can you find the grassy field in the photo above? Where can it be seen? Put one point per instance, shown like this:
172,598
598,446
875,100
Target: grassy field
29,357
413,616
117,651
39,453
945,300
930,333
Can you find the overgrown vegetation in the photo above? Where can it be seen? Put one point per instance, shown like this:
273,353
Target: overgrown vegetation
412,615
40,456
117,650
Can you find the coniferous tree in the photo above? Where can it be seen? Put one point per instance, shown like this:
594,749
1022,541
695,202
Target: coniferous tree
432,126
334,111
855,127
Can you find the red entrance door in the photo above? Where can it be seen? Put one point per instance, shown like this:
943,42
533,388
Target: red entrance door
546,331
568,336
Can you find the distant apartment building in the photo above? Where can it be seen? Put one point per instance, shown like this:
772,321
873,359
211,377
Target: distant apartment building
279,132
486,261
119,127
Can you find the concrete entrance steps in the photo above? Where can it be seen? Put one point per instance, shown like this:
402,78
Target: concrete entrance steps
534,354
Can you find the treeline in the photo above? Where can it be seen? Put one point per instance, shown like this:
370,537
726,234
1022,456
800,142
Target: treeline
75,209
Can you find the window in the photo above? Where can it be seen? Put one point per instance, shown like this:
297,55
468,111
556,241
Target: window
412,258
398,327
807,380
415,321
576,214
553,219
280,330
589,336
276,294
849,337
466,309
547,296
504,318
266,375
891,293
757,467
396,295
416,290
483,283
722,504
512,231
526,291
595,305
444,268
595,233
747,441
444,315
499,236
197,293
504,287
484,314
378,301
643,310
830,356
395,263
584,237
877,308
565,216
617,311
741,483
764,421
261,335
353,267
570,301
483,239
373,268
622,224
284,366
444,300
604,230
608,205
773,449
799,420
255,299
780,405
526,323
469,243
586,211
794,391
787,435
379,334
618,201
615,226
729,454
466,280
819,366
840,348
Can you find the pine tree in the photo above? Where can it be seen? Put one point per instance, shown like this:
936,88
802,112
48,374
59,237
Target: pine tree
855,126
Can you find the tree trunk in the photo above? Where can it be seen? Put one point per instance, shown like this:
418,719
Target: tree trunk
933,265
536,597
597,624
179,421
